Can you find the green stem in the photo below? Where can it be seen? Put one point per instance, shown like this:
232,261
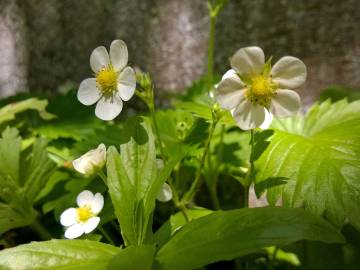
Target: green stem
246,197
41,230
183,210
102,176
213,190
156,129
211,46
214,197
250,174
176,200
252,166
106,235
189,195
151,105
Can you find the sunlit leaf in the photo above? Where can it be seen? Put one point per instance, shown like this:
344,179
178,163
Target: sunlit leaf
23,174
133,258
319,155
230,234
8,112
134,181
59,255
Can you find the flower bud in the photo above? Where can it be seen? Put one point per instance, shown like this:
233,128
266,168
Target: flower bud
91,161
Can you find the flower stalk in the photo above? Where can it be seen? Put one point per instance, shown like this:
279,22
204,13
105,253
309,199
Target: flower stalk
147,95
251,171
195,186
214,10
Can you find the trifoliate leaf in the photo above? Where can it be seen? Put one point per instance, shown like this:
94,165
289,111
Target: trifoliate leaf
319,155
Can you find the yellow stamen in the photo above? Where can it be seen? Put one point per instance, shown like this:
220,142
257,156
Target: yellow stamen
260,90
107,80
261,86
84,213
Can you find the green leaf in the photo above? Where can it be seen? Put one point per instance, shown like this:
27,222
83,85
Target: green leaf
281,255
319,155
23,174
164,233
37,170
203,110
230,234
58,254
74,120
133,258
8,112
134,181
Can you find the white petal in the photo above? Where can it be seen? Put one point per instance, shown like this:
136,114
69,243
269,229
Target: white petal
74,231
268,119
68,217
248,61
118,54
126,83
88,93
230,92
99,59
82,165
84,198
91,224
248,115
289,72
165,193
228,74
108,109
91,161
97,203
285,103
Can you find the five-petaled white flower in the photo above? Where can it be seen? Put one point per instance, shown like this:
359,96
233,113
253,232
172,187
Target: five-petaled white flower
91,161
114,82
83,219
253,91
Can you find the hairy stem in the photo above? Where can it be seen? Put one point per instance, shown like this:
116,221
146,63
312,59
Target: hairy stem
189,195
250,174
157,133
106,235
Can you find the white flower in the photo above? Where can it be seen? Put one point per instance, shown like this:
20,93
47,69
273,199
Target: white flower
165,193
253,91
91,161
114,82
83,219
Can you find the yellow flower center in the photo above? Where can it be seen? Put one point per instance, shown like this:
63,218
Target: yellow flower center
107,80
260,90
84,213
261,86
